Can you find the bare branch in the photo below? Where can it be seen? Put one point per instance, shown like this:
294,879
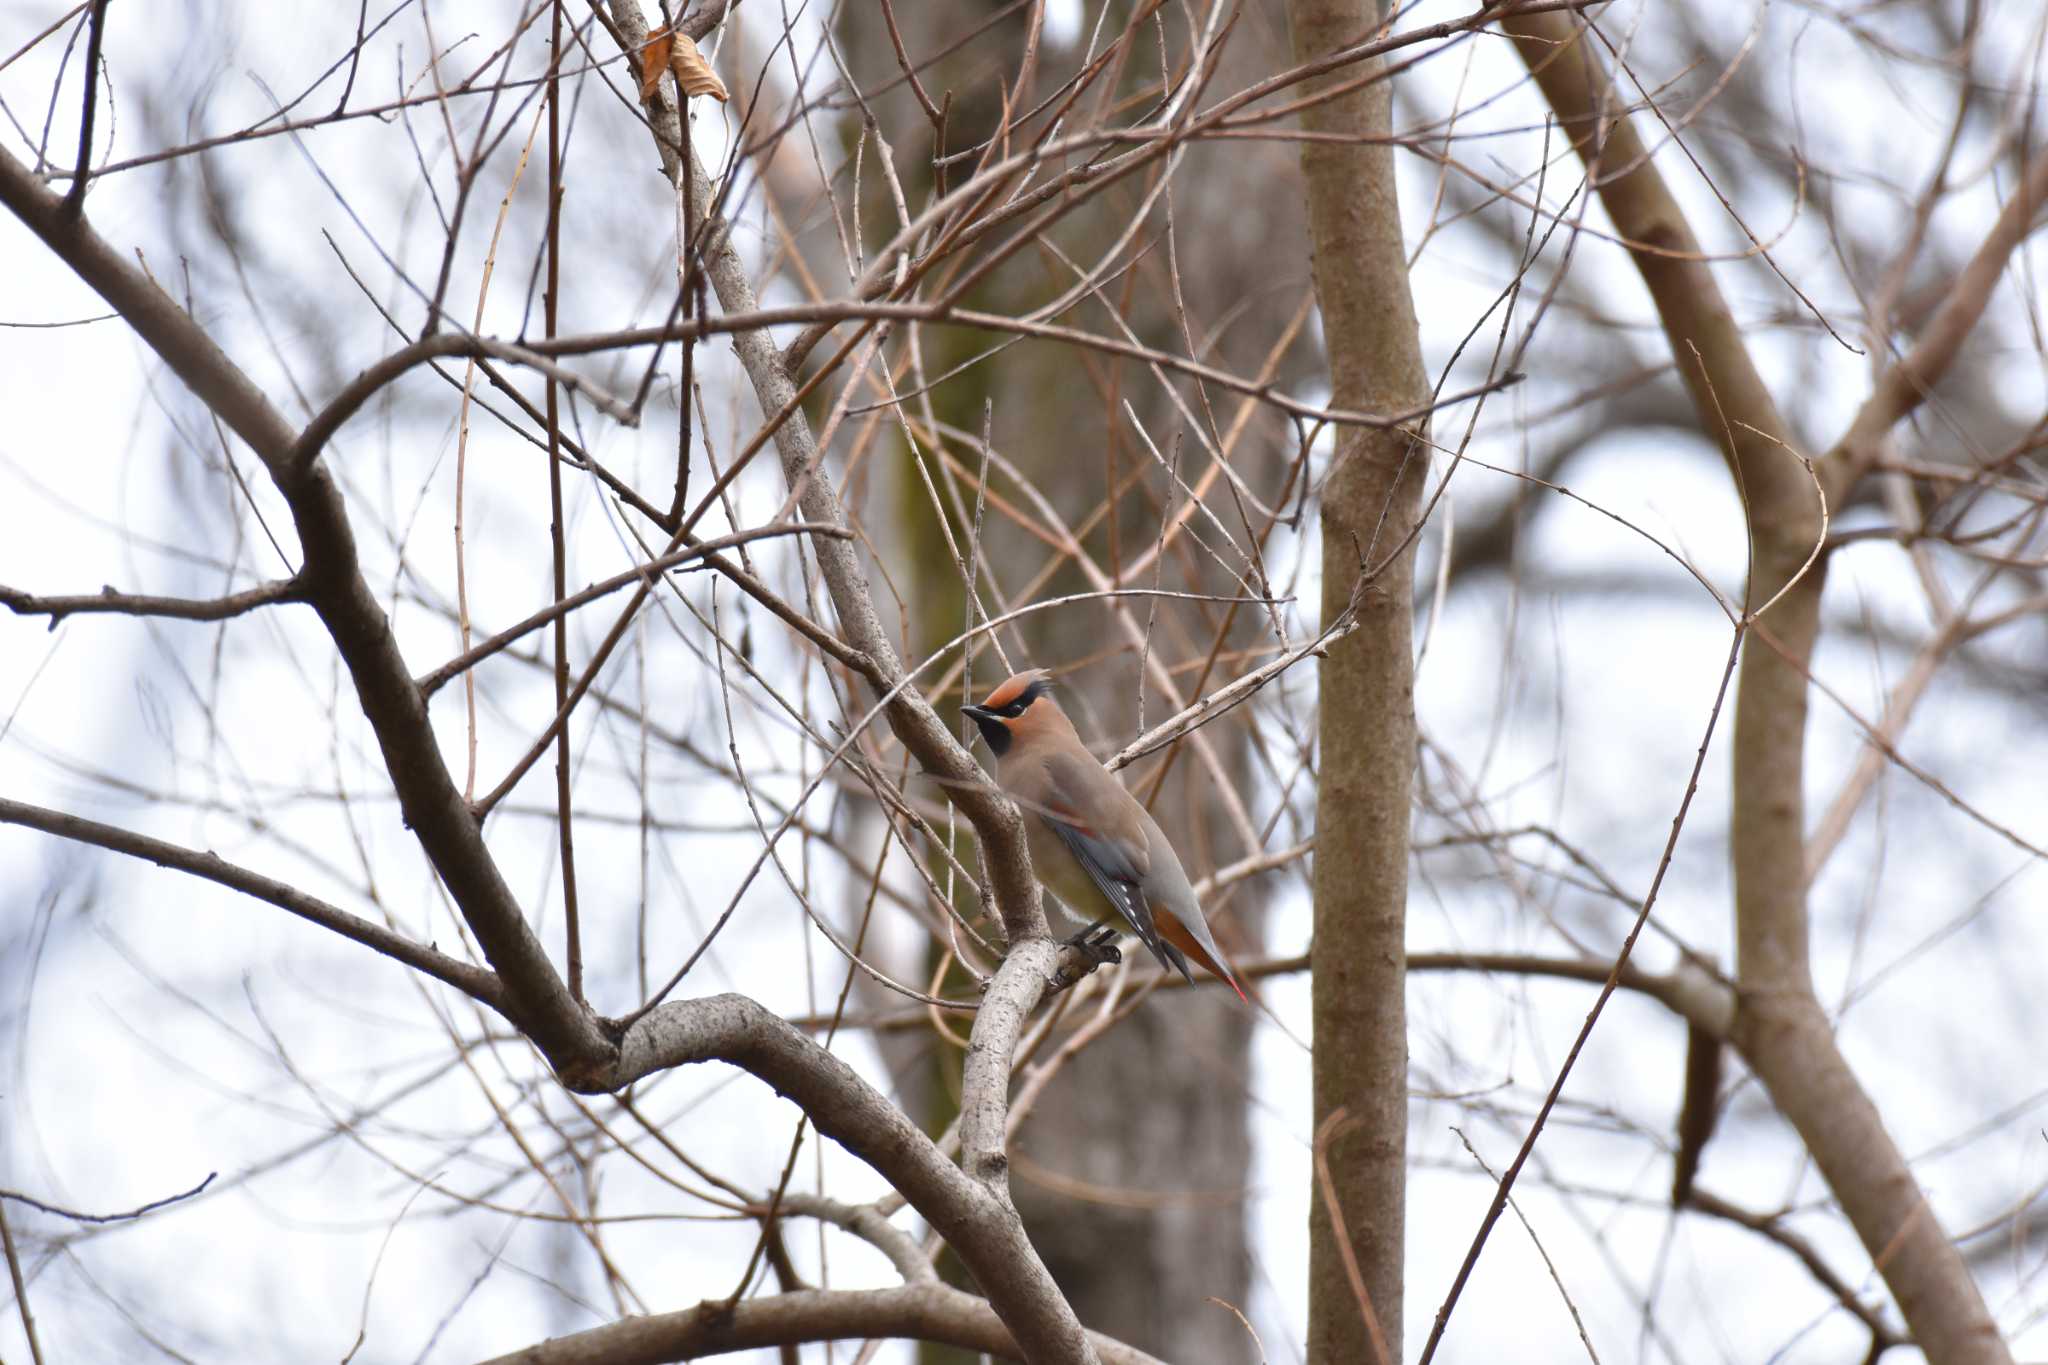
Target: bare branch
74,198
919,1312
1000,1256
473,981
972,1211
927,738
1507,1181
1212,707
108,601
1780,1028
126,1216
1906,383
1883,1335
866,1222
20,1283
440,346
432,682
333,580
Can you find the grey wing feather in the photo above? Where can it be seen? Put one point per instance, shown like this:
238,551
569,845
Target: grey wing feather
1115,877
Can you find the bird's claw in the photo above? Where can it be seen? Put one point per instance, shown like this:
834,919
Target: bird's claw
1095,946
1098,945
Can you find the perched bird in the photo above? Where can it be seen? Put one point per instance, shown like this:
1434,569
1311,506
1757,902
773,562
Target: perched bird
1092,844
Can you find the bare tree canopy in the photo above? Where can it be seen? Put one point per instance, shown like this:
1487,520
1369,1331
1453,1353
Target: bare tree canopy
501,508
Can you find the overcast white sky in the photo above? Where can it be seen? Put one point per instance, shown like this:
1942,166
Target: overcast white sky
156,1029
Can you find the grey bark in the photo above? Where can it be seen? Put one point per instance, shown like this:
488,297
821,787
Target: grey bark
1367,716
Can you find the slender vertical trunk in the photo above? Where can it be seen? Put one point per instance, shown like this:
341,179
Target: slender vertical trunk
1780,1027
1367,738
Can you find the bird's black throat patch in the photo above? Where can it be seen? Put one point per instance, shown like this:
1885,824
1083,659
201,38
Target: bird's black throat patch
992,717
993,731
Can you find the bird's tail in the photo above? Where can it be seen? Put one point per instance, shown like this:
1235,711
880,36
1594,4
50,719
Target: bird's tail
1174,932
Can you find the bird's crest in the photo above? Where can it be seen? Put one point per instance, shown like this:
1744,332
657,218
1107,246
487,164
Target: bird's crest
1019,691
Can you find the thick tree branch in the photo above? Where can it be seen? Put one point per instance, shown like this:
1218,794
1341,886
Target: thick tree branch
919,1312
471,980
1905,384
970,1208
332,578
1688,991
865,1221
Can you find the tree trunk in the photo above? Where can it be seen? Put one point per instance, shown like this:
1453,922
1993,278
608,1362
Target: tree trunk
1780,1028
1367,722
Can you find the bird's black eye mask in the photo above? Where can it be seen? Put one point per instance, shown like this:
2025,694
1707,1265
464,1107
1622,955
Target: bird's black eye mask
992,720
1030,694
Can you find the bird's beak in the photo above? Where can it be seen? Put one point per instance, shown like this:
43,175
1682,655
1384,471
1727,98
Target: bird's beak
978,713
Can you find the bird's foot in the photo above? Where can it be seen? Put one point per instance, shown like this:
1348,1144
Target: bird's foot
1093,947
1098,945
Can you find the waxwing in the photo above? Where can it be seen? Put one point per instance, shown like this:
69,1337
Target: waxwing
1092,844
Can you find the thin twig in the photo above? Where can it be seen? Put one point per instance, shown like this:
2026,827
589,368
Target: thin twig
1607,989
551,300
28,1319
58,1211
74,197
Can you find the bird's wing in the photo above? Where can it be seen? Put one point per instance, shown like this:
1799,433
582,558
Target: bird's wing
1112,862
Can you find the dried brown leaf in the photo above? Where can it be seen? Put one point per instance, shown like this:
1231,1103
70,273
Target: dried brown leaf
693,73
654,59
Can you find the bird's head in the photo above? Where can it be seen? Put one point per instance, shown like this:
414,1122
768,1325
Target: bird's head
1019,707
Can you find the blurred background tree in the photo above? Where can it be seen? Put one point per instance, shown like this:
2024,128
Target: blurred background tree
1717,309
